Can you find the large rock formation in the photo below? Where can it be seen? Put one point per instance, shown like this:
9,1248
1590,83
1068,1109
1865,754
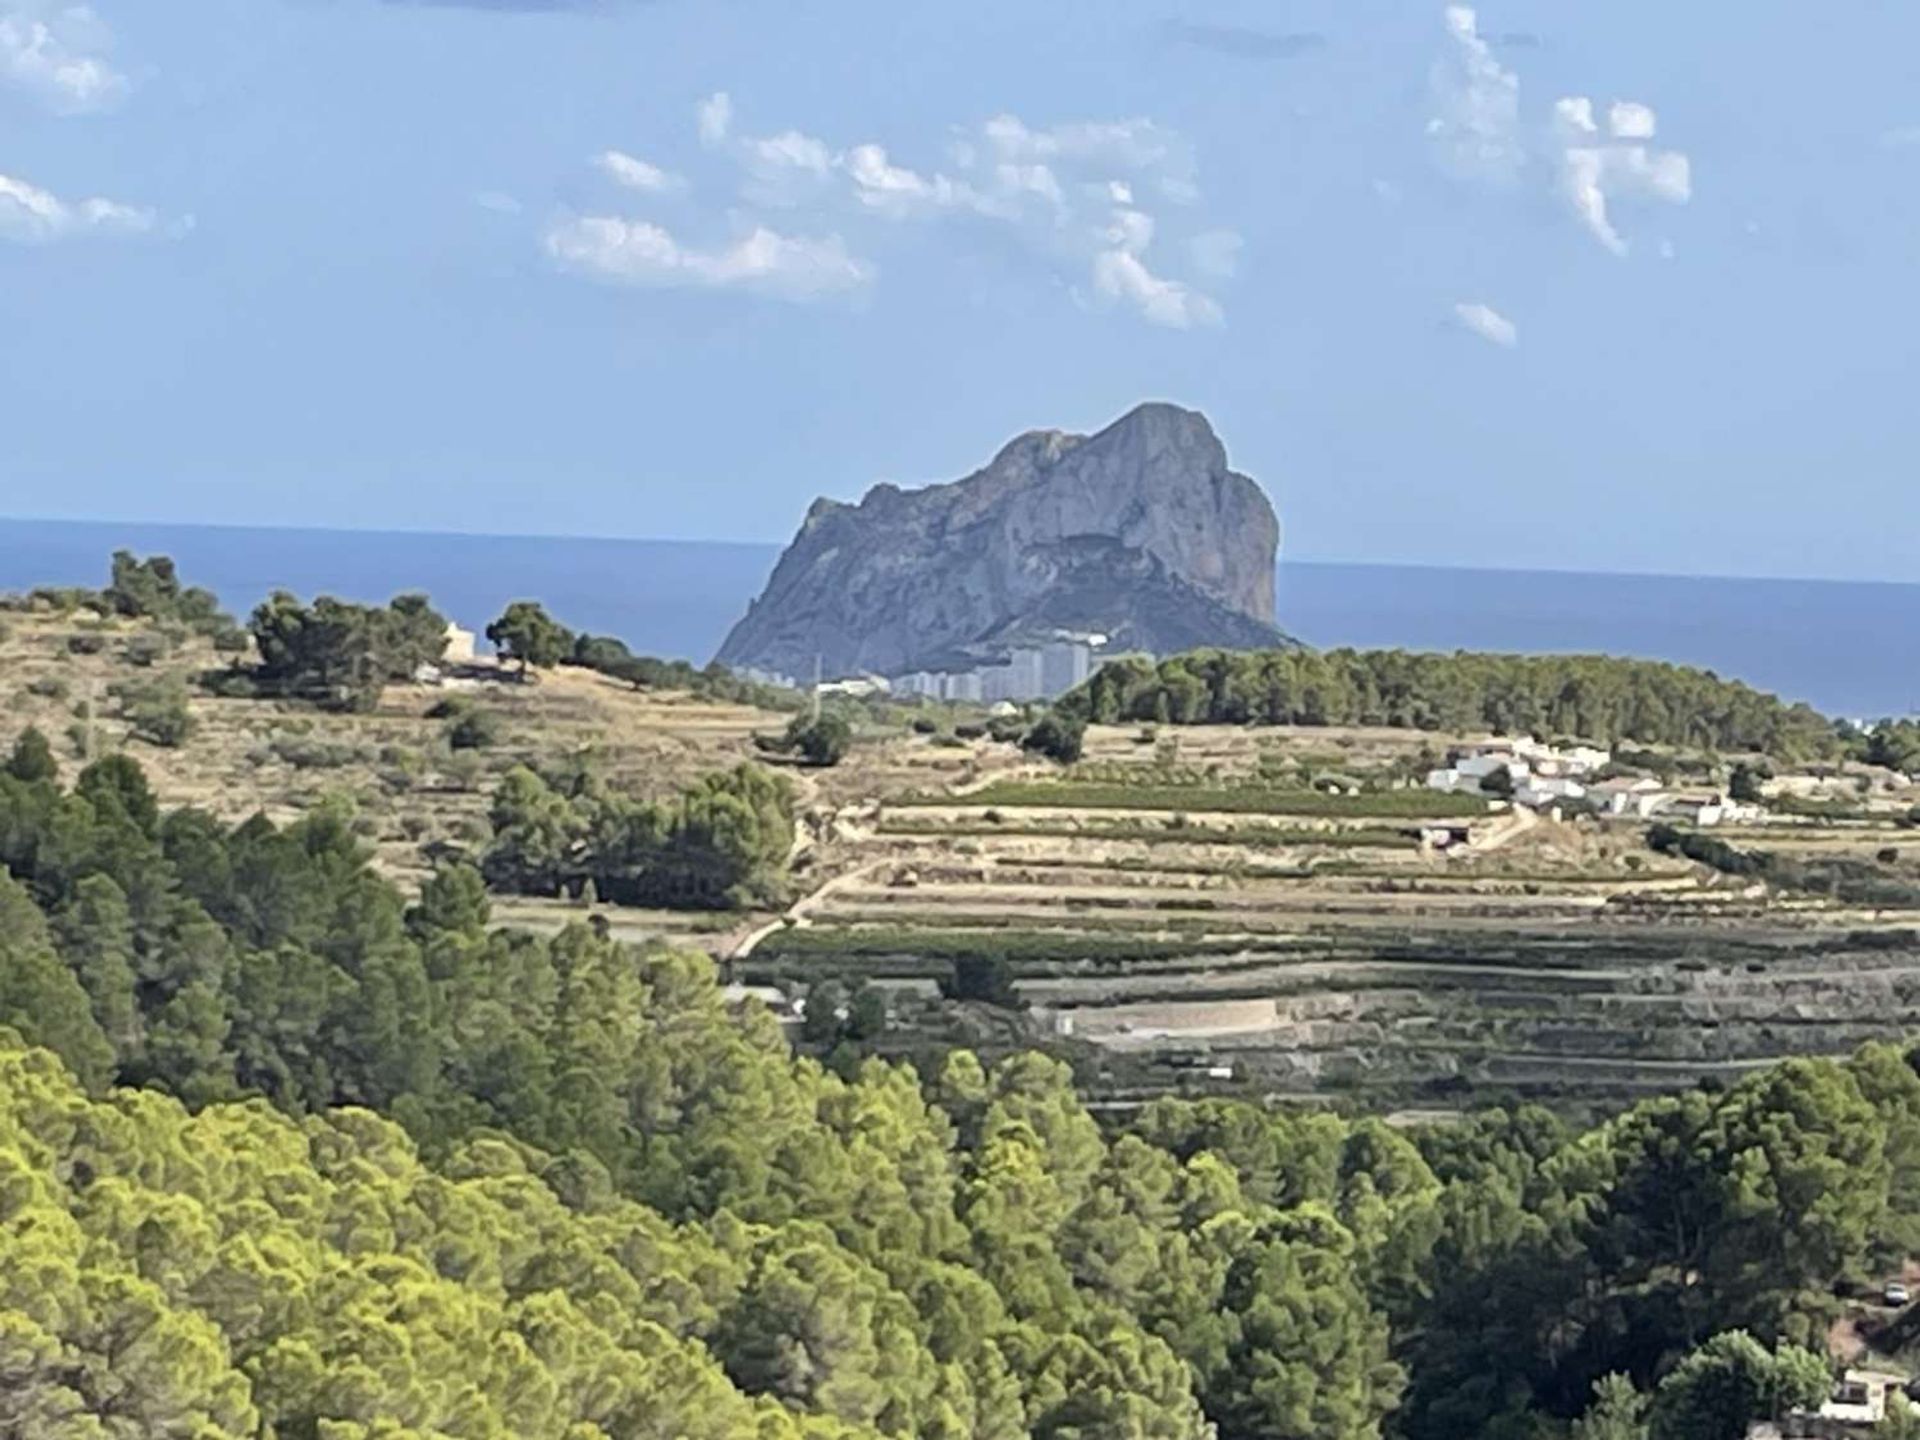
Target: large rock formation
1140,532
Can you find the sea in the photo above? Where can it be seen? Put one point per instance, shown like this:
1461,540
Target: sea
1850,648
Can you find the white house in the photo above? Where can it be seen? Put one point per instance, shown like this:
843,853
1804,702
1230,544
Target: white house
1709,809
1857,1405
1540,791
1491,762
460,646
1637,797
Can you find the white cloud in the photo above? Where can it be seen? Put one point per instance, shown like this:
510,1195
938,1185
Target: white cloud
785,169
1630,120
34,216
1488,323
896,191
716,118
1592,174
634,173
1069,193
1122,275
1476,124
1479,134
634,252
1573,117
1136,144
497,201
790,150
1017,183
47,58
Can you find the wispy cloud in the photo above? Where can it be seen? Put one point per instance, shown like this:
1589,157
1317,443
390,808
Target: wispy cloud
57,56
636,174
1476,119
32,216
1478,132
900,193
1137,147
715,116
1488,323
1245,43
765,262
1077,195
1120,274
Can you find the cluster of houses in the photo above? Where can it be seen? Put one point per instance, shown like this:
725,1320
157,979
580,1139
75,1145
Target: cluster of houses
1550,777
1025,672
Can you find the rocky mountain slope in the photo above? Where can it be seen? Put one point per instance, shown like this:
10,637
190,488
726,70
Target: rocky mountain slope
1140,532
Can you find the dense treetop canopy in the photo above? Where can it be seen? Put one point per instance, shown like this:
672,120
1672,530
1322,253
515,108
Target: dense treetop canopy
390,1170
1592,696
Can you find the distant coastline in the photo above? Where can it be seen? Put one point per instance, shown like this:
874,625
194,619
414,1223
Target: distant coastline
1850,648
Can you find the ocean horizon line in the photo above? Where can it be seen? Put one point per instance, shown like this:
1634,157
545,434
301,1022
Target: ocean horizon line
777,546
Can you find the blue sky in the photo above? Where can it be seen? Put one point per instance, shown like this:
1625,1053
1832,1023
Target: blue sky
1623,286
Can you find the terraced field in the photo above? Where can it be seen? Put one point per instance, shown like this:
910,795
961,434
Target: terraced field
1264,911
1298,941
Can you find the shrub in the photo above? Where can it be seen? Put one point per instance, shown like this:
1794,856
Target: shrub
157,711
403,758
970,732
49,687
462,770
231,684
1007,729
144,649
87,644
32,757
230,639
475,730
925,725
986,979
313,752
1743,783
1057,736
819,740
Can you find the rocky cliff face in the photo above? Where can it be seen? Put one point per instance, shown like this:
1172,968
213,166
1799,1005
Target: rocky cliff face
1140,532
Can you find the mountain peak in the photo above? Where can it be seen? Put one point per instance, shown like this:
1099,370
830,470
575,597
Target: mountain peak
1140,531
